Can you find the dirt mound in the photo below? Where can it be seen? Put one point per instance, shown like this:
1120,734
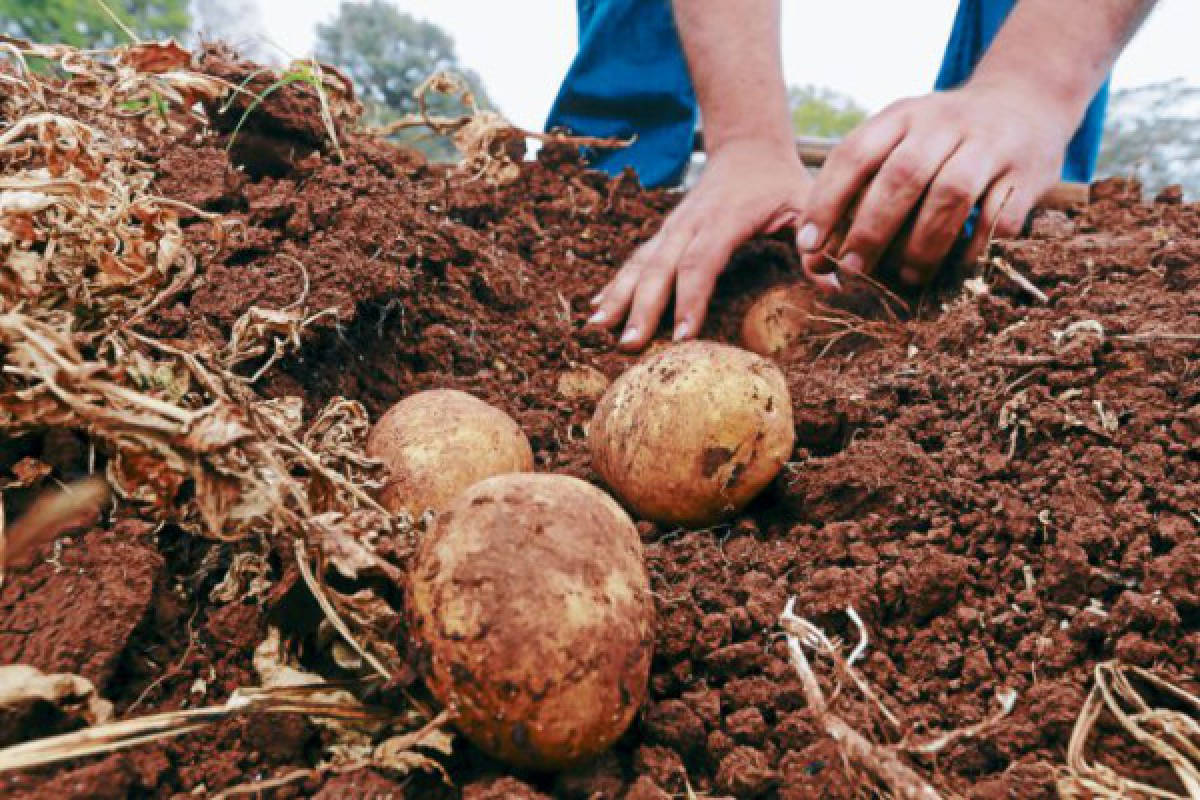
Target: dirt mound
1006,492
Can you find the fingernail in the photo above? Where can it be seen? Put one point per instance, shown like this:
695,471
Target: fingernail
597,318
806,239
828,283
852,262
629,336
681,331
595,301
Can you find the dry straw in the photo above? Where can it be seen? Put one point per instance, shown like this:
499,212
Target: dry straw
88,251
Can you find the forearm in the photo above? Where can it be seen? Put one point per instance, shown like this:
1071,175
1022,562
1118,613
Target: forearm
734,55
1061,50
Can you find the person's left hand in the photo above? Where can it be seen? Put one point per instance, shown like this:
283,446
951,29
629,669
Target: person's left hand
932,159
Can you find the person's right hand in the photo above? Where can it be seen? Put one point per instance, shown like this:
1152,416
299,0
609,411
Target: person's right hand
748,186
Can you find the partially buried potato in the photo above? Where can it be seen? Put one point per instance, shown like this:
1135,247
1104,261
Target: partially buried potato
692,434
437,443
530,608
782,318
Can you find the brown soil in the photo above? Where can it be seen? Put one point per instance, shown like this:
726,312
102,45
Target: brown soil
1005,499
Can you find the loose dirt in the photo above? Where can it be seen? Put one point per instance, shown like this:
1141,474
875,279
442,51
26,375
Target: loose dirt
1006,492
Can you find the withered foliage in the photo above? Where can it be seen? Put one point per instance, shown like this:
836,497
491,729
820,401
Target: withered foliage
489,145
87,252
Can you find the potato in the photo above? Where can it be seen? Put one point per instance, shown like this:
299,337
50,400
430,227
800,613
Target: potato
582,383
437,443
692,434
781,319
531,612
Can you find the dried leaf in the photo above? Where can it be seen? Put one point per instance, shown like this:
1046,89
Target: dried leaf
20,683
285,413
346,543
220,427
27,472
377,621
194,87
399,753
23,202
273,671
155,57
246,579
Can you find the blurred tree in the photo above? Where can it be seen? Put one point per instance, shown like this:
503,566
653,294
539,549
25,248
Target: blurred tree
387,53
818,111
85,23
236,22
1153,134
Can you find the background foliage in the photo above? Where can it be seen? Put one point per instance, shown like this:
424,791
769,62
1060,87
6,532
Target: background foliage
823,112
85,24
389,53
1153,134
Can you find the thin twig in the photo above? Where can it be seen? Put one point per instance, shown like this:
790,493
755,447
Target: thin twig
331,613
1020,280
133,37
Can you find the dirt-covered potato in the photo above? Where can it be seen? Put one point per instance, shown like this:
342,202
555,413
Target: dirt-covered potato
694,433
437,443
781,319
531,611
582,383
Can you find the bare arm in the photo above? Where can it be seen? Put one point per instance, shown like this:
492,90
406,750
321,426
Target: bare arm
734,58
999,140
1062,48
753,180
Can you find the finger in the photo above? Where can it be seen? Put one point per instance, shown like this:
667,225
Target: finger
893,194
1003,213
699,267
792,212
654,290
962,180
614,300
825,282
846,171
821,268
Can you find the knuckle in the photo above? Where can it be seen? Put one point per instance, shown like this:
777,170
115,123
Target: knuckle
849,157
951,115
900,106
1009,225
927,250
904,170
953,190
626,279
869,239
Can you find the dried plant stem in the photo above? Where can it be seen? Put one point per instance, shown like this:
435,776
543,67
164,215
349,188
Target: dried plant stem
882,763
1170,735
1016,277
113,736
331,613
266,785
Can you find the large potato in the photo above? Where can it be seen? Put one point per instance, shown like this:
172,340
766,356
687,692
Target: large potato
694,433
437,443
531,610
782,318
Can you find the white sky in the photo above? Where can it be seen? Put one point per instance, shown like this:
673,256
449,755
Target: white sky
873,50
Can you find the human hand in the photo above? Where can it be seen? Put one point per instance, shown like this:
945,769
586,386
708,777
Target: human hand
747,187
929,160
